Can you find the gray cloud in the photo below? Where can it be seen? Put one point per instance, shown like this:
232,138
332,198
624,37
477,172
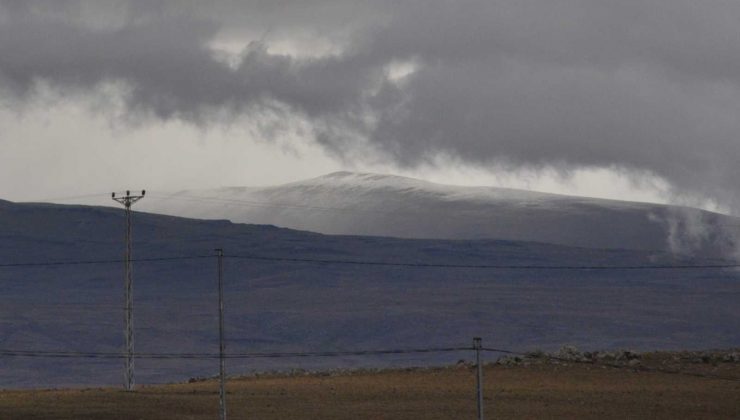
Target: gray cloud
650,85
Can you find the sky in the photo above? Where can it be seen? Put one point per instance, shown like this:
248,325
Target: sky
633,100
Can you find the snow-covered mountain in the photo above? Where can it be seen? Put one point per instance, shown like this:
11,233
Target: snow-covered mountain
384,205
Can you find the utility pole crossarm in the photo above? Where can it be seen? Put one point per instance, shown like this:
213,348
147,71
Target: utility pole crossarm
128,199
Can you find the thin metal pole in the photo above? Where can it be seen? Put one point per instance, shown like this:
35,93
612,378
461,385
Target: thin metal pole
477,346
129,333
221,345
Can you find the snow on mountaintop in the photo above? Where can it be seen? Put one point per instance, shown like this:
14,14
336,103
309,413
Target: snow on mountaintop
365,181
388,205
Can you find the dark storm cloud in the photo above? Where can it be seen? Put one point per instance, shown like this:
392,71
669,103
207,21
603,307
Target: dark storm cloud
651,85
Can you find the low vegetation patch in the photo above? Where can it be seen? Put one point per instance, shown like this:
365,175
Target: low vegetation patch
568,384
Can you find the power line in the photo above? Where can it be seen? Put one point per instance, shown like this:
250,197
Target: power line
257,355
265,204
104,261
269,205
67,198
283,355
385,263
248,203
486,266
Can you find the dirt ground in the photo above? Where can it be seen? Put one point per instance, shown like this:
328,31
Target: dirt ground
544,391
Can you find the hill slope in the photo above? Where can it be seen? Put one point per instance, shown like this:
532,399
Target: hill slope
290,305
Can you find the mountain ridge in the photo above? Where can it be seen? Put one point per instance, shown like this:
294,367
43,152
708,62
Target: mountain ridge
368,204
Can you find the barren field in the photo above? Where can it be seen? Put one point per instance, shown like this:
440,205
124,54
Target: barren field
533,391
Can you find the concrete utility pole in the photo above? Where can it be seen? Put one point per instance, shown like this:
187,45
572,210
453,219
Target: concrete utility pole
128,200
221,345
477,345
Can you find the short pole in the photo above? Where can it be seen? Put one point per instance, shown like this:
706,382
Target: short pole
221,346
479,382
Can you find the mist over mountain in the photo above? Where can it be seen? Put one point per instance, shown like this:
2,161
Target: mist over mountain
384,205
288,305
648,88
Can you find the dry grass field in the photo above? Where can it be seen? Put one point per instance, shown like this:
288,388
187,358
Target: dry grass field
511,392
